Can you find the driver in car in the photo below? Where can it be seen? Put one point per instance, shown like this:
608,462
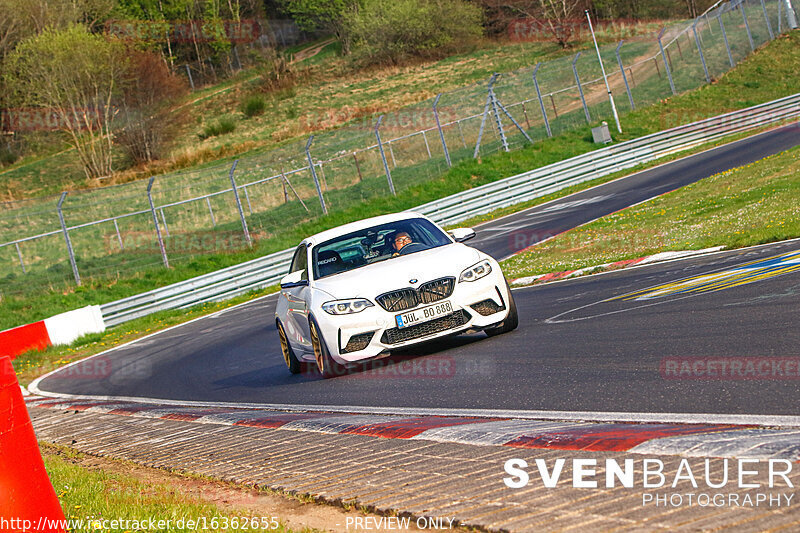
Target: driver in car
400,240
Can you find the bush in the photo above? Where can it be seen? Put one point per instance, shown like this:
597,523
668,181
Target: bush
7,155
276,72
220,127
391,31
148,90
253,105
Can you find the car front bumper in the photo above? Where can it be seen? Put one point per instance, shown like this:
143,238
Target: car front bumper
373,332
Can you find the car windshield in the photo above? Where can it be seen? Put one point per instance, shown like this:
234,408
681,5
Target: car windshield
378,243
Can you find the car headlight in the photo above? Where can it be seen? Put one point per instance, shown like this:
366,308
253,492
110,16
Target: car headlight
346,307
476,271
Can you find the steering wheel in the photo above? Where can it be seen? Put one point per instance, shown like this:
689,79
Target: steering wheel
412,247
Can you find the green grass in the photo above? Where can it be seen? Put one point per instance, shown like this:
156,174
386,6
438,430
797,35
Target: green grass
287,223
253,105
33,364
221,126
746,206
93,494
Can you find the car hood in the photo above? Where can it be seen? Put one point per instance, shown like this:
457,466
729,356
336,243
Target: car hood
372,280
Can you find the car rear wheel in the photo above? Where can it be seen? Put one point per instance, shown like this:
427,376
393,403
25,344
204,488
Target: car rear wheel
292,363
512,320
327,366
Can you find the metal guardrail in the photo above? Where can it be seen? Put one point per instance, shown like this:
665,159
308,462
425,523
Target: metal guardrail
269,269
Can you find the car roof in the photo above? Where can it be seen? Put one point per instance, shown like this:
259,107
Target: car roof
359,225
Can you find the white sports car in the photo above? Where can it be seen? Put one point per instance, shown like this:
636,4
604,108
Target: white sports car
363,289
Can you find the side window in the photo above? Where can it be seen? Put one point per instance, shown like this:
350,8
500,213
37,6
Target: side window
300,261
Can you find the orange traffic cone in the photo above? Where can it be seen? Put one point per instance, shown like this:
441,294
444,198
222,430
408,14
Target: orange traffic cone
27,499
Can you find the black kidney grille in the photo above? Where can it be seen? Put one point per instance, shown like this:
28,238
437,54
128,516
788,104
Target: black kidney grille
436,290
429,292
398,300
437,325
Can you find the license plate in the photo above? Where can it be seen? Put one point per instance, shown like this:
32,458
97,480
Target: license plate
425,314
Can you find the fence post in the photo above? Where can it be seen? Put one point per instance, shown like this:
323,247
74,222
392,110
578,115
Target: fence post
439,127
155,222
211,212
766,18
189,73
725,35
580,89
666,63
791,16
496,112
483,125
780,3
67,239
358,167
19,254
314,175
383,155
239,204
747,26
700,50
247,197
119,236
624,77
164,220
541,102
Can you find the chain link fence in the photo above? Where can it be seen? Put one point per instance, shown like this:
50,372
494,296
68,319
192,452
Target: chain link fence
256,204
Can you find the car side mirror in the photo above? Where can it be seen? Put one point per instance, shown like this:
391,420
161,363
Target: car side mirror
294,279
462,234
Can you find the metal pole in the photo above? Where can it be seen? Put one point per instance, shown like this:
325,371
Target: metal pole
541,102
383,155
514,121
67,239
580,89
666,63
496,111
19,254
747,26
155,222
391,153
603,70
700,50
164,219
314,175
211,211
483,125
525,114
427,146
624,77
247,197
791,17
239,204
439,127
780,3
725,38
119,236
766,18
189,73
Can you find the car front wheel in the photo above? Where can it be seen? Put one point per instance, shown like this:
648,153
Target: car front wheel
292,363
512,319
327,366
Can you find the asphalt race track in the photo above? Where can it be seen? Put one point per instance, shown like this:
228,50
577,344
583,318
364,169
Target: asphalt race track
588,344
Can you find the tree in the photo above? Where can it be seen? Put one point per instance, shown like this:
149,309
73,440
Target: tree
559,18
389,31
74,75
147,88
330,16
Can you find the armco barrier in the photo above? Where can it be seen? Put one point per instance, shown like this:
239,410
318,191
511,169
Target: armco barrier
268,270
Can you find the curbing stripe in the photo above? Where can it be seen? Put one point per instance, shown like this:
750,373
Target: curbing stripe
695,440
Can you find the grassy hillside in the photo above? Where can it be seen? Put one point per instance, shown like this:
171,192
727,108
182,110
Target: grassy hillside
766,75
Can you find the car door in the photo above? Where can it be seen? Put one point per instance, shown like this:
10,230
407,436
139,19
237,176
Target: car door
297,328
